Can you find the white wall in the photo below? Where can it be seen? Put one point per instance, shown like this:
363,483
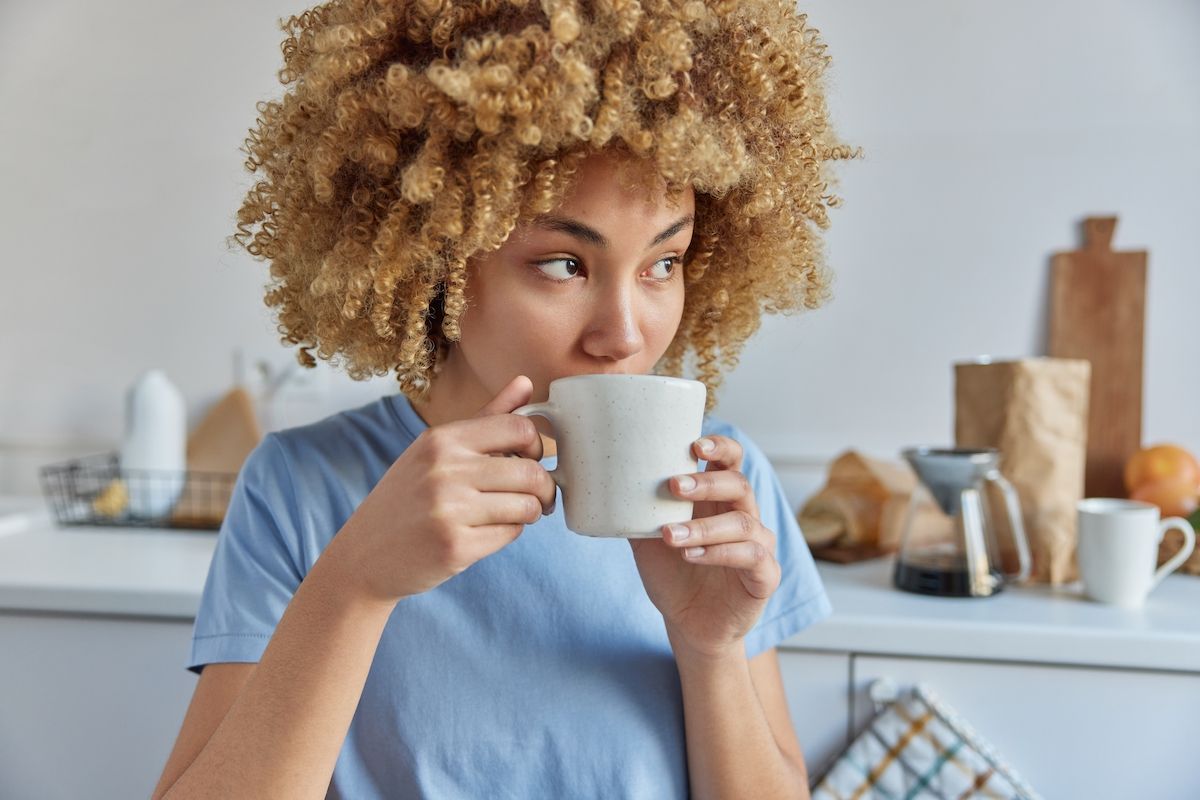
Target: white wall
990,130
119,136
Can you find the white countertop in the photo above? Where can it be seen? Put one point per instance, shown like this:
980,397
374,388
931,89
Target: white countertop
1040,624
148,572
160,573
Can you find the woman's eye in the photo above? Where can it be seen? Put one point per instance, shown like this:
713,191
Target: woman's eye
559,269
670,265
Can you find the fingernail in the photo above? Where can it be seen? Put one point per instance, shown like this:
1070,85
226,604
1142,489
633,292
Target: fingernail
694,552
706,445
678,532
686,483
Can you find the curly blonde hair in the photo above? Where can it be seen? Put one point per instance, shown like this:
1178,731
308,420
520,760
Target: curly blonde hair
417,134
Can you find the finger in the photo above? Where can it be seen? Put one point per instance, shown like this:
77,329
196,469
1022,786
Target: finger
498,433
758,569
722,452
520,475
723,486
517,393
513,396
732,526
503,508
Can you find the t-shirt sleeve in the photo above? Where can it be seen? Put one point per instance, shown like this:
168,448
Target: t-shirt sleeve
254,571
800,599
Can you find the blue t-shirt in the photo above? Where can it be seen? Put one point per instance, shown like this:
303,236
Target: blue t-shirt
542,670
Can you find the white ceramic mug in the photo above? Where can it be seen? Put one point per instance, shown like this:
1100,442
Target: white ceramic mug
1118,548
620,438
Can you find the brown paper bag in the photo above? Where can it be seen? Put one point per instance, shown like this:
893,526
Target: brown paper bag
1035,411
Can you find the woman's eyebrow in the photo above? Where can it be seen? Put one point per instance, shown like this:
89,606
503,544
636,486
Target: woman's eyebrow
671,231
590,235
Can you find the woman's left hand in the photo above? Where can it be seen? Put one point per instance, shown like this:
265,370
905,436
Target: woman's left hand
712,599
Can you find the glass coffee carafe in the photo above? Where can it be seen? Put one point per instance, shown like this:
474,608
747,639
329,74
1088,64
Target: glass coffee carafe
950,545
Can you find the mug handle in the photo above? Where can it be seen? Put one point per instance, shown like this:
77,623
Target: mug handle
543,410
1189,544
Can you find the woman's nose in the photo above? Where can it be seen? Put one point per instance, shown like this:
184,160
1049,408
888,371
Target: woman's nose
613,331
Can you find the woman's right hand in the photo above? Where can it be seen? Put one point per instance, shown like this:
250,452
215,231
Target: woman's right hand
447,502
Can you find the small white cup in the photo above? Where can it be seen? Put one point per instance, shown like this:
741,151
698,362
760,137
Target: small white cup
620,438
1118,548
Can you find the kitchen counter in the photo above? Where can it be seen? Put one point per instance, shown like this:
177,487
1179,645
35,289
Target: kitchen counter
1043,624
160,573
144,572
110,609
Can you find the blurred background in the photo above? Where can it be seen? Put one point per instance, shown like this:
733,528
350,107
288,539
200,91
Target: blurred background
990,131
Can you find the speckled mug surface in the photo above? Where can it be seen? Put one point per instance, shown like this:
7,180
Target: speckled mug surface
620,438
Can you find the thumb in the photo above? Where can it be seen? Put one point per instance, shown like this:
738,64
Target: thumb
513,396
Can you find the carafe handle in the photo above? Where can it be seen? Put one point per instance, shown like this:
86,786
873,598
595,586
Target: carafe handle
1012,505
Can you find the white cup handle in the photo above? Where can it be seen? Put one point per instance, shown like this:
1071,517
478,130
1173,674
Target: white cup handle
1189,544
546,410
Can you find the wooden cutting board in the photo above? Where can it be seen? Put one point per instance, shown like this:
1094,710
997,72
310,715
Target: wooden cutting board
1097,312
215,452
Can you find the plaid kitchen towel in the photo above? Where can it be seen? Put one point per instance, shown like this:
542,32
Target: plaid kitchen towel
918,749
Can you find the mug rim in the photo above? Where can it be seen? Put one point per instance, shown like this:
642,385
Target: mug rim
624,376
1113,505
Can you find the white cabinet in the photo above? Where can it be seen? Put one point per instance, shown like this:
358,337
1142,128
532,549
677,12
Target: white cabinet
1083,700
818,698
1086,701
1070,732
89,706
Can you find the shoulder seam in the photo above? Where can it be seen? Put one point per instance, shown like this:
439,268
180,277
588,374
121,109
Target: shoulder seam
815,597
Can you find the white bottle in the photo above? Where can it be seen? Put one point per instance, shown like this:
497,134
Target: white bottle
154,450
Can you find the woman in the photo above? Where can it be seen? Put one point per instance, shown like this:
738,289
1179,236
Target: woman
482,198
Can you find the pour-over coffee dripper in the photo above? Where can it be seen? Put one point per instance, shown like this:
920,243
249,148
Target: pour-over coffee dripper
949,544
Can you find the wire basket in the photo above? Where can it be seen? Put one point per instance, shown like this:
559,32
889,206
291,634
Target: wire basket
95,490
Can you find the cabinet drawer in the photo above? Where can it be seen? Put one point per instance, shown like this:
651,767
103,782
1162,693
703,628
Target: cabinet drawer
1070,732
817,687
89,707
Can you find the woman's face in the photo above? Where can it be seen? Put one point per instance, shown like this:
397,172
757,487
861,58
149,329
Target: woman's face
595,286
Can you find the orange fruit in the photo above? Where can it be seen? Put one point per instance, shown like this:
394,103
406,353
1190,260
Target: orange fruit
1173,496
1159,463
